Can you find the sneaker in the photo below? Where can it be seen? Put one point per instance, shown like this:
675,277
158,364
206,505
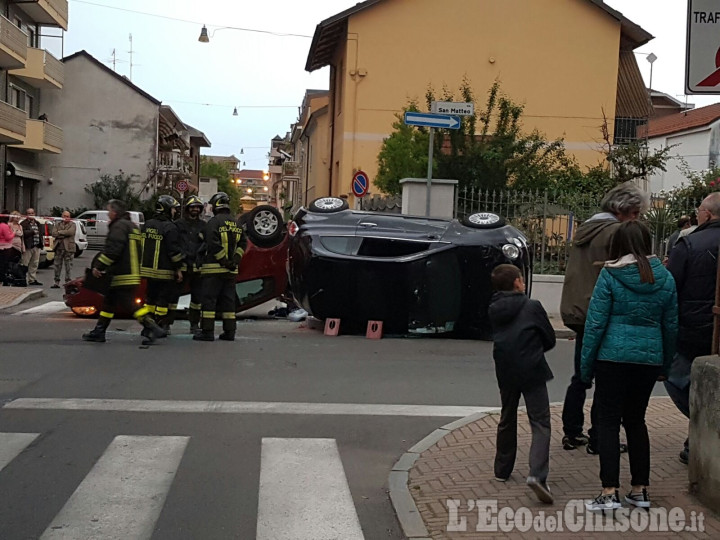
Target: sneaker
541,489
571,443
297,315
500,479
684,455
641,500
604,502
55,286
36,283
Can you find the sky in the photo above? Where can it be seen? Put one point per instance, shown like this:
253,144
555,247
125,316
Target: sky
263,74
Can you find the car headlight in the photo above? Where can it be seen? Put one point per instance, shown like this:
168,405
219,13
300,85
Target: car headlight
511,251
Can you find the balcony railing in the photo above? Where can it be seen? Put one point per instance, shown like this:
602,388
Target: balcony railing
12,124
169,161
53,136
47,12
275,169
13,45
42,70
291,169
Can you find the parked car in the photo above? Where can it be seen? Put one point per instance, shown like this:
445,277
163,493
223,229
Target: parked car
96,224
261,277
418,275
81,242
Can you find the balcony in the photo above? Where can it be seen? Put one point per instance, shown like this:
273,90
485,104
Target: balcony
291,169
41,137
13,45
47,12
12,124
42,70
173,162
275,169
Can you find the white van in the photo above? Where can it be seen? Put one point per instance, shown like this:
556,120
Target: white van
96,224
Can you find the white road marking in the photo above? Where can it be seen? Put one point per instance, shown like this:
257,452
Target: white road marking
11,444
243,407
123,494
304,494
46,308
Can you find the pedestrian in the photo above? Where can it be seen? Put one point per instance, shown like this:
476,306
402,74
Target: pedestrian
162,261
630,336
191,229
64,247
33,238
591,245
120,259
18,243
522,333
684,222
693,264
224,247
6,239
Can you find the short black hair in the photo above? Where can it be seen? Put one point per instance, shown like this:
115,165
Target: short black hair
503,277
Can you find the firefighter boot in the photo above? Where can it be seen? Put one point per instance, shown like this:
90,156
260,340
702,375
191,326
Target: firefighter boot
194,319
229,326
207,330
97,334
151,330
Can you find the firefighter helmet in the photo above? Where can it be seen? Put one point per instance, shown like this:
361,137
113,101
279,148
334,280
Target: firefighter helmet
165,204
219,201
193,200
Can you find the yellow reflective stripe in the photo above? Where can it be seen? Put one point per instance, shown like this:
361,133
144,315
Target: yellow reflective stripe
208,314
157,273
107,315
135,239
206,271
240,251
195,306
161,311
104,259
156,256
228,315
150,308
177,258
118,281
221,254
140,313
225,242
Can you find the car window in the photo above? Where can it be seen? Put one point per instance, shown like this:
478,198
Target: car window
249,291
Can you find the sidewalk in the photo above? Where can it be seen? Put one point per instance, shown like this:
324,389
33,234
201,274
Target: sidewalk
457,463
12,296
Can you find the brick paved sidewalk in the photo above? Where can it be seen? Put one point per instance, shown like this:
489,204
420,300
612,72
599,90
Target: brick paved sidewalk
460,466
11,296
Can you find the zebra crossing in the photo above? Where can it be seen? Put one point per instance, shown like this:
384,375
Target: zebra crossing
303,492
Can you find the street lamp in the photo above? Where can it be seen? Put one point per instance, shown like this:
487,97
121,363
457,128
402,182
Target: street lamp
235,113
651,58
204,38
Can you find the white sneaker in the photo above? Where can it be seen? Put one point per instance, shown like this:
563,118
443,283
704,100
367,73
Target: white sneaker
604,502
297,315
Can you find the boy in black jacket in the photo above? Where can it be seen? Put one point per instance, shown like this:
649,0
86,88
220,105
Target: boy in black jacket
521,333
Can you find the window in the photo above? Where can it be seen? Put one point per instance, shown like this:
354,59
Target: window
31,36
20,99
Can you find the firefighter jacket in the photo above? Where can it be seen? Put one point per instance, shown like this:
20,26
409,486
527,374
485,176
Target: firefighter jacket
225,244
121,255
191,232
162,255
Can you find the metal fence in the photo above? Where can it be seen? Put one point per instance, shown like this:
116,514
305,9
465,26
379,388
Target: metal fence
550,219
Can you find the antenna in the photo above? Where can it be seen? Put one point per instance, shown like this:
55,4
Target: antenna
114,60
131,57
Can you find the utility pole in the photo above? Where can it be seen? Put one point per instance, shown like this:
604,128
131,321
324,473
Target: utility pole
114,60
131,57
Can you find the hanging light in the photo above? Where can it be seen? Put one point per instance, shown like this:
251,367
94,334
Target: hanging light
242,150
235,113
204,38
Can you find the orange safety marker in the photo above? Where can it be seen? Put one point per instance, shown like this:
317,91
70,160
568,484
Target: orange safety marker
332,327
374,330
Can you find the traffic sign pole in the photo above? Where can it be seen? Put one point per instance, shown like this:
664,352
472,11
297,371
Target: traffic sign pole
429,171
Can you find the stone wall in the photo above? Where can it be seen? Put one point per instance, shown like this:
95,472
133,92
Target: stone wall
704,465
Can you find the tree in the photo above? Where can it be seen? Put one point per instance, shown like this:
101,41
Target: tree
114,187
220,171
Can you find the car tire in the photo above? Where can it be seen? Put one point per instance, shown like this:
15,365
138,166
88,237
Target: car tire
483,220
45,264
264,226
328,205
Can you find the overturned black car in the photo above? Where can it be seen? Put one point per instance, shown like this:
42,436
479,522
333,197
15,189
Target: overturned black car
418,275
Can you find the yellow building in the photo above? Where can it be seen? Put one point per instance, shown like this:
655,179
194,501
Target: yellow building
570,62
310,141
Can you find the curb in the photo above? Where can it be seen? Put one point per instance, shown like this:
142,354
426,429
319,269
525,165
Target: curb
407,513
30,295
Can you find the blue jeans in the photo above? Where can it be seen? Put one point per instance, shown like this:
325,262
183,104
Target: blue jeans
678,383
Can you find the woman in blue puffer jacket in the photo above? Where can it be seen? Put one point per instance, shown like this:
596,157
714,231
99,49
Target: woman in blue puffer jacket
629,344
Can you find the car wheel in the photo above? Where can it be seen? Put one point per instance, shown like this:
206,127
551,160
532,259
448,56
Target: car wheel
484,220
328,205
265,226
45,264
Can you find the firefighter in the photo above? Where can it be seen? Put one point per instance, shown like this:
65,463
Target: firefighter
191,228
224,247
121,259
162,260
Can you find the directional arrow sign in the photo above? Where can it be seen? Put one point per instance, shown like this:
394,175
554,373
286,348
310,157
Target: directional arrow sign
432,120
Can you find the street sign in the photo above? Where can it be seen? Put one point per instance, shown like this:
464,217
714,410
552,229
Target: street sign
181,186
459,108
432,120
360,184
702,53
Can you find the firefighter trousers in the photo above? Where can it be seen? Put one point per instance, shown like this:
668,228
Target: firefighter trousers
218,296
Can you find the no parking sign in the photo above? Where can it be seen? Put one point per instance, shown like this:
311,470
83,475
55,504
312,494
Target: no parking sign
360,184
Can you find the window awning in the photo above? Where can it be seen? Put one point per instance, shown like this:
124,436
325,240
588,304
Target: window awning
23,171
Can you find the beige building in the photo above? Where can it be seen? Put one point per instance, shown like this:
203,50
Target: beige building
569,62
29,74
